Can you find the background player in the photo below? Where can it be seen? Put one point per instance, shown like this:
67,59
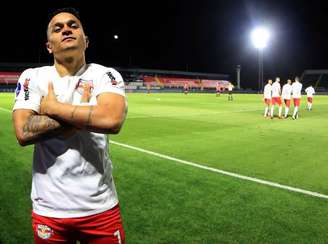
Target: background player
276,92
296,95
286,95
230,88
309,94
267,95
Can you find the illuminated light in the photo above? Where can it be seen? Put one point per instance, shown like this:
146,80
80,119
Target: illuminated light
260,37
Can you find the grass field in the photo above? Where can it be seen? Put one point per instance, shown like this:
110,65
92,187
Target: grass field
164,201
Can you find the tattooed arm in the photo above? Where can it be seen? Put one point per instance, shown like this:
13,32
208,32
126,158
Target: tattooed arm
106,117
31,127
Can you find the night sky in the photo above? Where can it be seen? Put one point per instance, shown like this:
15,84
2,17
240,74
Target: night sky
198,36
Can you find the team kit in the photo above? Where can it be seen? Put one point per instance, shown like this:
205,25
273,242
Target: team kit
274,96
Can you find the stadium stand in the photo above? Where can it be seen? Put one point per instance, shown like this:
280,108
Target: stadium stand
136,80
318,78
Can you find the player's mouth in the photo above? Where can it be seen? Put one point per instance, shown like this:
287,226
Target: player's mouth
68,38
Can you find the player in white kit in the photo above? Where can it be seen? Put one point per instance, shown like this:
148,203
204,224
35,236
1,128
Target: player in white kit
230,88
296,95
267,96
67,110
276,93
309,94
286,95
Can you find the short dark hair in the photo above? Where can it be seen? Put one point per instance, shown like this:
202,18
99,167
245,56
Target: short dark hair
70,10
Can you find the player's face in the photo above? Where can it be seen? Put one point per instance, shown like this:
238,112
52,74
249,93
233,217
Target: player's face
65,33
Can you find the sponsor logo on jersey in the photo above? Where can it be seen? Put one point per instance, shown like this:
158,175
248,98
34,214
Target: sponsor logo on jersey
18,89
112,78
44,231
26,91
82,83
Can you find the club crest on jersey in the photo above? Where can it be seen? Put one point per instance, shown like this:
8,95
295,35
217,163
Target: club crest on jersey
44,231
82,83
112,78
25,88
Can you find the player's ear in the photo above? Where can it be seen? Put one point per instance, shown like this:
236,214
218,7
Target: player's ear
48,46
87,41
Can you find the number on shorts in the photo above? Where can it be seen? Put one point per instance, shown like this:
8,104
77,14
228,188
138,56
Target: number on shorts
117,233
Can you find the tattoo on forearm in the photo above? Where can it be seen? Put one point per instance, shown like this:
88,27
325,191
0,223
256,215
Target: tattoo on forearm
39,124
89,116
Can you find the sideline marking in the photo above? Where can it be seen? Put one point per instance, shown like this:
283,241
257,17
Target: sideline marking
243,177
6,110
235,175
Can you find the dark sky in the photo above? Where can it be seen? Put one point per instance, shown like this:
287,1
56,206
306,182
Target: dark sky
199,36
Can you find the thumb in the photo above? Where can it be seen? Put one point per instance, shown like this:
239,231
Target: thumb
50,87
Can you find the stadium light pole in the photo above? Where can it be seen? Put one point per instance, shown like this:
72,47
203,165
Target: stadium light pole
260,37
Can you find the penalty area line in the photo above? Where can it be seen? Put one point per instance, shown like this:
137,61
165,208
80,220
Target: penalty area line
219,171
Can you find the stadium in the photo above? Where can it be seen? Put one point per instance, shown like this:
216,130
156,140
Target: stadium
194,167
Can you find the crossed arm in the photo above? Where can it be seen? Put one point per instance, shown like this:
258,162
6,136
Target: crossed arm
58,118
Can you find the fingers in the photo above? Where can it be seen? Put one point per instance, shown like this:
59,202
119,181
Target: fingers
50,87
86,93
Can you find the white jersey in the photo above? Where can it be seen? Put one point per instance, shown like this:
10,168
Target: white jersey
286,91
71,177
296,89
310,91
267,91
276,89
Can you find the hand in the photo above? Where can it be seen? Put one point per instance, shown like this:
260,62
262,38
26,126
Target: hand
86,93
48,102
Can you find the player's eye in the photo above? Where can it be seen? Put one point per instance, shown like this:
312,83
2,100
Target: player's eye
57,29
74,25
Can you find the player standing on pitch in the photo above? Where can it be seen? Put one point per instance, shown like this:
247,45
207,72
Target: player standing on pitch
309,94
230,88
276,92
296,95
286,95
267,96
67,110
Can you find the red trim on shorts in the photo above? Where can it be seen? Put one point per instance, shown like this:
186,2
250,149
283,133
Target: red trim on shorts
267,101
297,102
287,102
105,227
276,100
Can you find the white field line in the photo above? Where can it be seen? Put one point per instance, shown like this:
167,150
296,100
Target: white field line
259,181
263,182
5,110
192,114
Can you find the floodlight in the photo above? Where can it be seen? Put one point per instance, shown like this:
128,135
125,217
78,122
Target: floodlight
260,37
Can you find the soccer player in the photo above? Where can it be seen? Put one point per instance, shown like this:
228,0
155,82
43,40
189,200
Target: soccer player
230,88
267,95
218,89
67,110
276,92
309,93
186,88
286,95
296,95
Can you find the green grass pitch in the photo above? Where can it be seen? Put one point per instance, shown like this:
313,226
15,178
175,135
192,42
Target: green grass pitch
164,201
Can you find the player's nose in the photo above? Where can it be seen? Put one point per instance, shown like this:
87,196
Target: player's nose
66,30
